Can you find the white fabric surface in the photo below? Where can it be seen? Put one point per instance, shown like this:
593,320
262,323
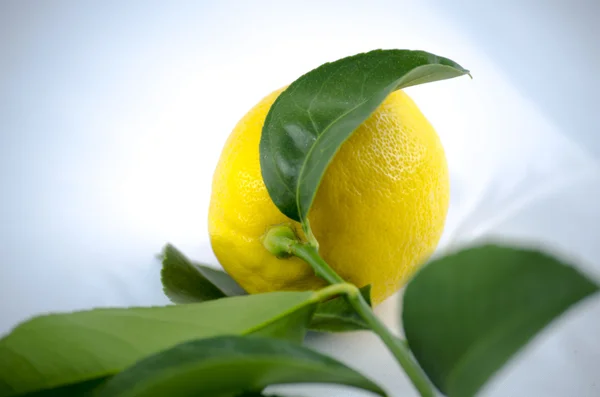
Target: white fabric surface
113,114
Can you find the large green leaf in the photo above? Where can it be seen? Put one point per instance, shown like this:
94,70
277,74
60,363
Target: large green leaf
311,119
61,349
226,366
467,313
187,282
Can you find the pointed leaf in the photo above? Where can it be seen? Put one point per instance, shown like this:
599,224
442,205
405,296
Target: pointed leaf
62,349
466,314
187,282
227,366
311,119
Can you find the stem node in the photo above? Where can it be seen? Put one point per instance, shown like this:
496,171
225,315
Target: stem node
279,241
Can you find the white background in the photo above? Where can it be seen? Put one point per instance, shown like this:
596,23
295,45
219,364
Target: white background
113,114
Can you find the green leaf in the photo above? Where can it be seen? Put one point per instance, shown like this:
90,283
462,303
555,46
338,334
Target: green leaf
62,349
187,282
227,366
311,119
466,314
337,315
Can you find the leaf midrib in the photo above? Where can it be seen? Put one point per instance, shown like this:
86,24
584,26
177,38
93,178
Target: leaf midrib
301,176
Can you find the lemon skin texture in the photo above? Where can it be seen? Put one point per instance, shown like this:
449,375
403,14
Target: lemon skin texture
378,214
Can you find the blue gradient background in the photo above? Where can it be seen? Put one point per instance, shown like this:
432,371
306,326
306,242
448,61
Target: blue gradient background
113,114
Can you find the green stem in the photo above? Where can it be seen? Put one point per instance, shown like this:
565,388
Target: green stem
399,349
310,255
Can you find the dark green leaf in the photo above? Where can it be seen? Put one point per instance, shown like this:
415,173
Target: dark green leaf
337,315
311,119
187,282
252,394
57,350
466,314
227,366
258,394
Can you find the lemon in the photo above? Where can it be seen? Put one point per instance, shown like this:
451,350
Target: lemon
377,215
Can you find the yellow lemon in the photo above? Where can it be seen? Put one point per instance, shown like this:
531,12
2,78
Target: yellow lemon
377,215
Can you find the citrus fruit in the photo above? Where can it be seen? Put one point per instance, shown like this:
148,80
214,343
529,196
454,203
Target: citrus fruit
377,215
